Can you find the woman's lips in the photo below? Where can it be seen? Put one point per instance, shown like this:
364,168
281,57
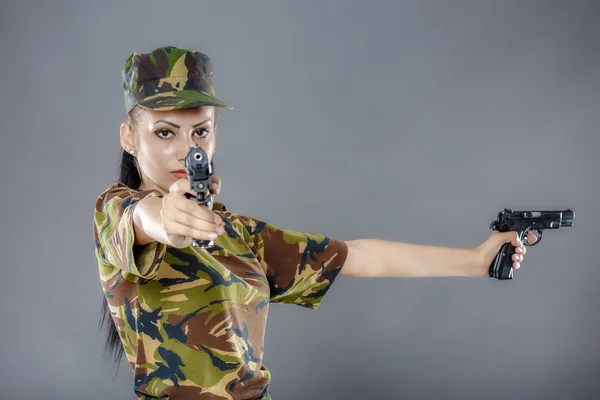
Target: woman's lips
180,174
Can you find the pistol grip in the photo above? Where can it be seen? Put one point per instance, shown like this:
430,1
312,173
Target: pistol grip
205,200
501,267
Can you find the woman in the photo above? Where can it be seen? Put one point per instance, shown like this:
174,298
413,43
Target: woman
190,321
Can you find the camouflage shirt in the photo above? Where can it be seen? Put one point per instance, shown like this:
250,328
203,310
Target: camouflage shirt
192,321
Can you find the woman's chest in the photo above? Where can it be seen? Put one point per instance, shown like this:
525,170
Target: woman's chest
189,277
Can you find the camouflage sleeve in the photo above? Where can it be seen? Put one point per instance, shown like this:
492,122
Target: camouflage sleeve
300,266
114,232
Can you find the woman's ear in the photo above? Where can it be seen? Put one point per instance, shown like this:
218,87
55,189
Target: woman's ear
127,140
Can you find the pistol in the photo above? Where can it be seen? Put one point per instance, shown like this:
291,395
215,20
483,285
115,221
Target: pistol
199,172
524,222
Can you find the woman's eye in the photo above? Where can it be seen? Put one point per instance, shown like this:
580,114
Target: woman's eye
202,132
163,133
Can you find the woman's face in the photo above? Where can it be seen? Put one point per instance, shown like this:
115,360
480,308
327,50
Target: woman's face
162,139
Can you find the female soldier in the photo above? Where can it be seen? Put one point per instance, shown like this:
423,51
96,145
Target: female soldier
191,321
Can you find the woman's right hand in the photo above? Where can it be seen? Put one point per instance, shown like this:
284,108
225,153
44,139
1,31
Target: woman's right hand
185,220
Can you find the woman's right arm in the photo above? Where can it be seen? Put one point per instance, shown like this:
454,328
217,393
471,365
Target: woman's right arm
132,228
147,222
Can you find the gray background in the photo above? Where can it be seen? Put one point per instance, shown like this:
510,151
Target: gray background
411,121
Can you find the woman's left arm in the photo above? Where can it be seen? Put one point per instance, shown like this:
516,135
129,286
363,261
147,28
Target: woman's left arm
373,258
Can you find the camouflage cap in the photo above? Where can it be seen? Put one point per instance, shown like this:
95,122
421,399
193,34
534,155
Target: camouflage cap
169,78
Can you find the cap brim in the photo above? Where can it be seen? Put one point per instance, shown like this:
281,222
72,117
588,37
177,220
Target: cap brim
179,99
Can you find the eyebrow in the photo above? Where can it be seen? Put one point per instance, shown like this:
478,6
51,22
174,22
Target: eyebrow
177,126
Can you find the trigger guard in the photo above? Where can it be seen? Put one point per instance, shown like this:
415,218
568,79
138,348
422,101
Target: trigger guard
538,234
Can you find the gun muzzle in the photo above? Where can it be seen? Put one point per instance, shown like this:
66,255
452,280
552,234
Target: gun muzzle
568,217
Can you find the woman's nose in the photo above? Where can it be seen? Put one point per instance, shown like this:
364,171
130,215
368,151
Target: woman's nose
185,146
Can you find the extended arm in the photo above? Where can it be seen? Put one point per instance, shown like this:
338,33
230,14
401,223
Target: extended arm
147,221
372,258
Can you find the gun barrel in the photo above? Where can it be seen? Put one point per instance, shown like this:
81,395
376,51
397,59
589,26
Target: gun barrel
568,218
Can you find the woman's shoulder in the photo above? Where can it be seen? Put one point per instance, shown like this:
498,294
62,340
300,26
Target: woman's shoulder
114,188
119,189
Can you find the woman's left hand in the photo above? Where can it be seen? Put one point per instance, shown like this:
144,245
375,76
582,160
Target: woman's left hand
487,251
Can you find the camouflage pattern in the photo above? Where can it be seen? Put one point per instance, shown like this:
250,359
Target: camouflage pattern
192,321
169,78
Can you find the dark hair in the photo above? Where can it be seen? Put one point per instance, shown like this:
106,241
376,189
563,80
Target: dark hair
129,176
